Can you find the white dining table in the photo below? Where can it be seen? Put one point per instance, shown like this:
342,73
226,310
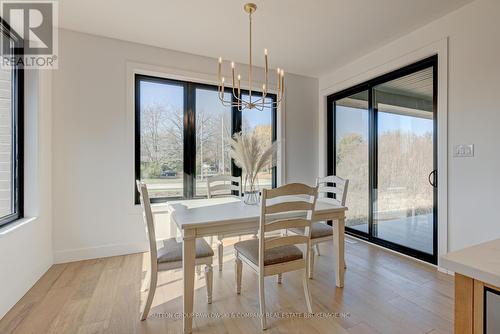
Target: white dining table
208,217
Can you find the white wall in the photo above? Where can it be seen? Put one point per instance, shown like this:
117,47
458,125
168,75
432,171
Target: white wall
93,153
473,67
26,245
301,127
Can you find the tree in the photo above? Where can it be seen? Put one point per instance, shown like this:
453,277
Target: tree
161,139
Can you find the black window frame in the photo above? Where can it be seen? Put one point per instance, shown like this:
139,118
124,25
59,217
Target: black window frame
17,123
189,132
372,147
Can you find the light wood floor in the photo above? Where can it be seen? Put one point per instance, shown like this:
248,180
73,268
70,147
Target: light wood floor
384,293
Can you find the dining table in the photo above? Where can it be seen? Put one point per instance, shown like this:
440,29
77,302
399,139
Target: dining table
198,218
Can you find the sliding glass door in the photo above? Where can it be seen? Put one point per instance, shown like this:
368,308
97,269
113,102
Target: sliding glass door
404,198
351,155
382,137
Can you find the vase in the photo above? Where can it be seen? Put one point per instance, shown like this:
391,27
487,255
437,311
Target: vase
251,196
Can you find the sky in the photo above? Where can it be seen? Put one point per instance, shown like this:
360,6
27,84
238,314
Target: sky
350,119
172,95
353,120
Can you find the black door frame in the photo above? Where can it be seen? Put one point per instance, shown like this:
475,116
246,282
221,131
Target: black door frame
372,151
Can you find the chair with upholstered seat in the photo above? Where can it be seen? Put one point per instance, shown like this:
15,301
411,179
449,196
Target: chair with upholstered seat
224,186
332,189
281,208
169,255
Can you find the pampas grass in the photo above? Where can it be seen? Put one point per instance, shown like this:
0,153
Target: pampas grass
250,155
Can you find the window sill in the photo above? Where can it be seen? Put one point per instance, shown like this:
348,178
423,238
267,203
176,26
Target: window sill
11,227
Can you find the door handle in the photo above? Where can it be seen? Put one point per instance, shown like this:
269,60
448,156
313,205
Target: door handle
433,178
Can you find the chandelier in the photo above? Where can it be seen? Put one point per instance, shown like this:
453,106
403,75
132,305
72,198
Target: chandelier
258,102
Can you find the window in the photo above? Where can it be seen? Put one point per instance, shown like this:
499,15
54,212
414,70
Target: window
182,133
162,107
213,129
260,123
11,132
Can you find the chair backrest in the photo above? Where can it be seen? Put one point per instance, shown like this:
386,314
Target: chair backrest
223,185
289,206
332,185
148,219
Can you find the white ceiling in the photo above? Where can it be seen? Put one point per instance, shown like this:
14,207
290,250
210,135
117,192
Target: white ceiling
306,37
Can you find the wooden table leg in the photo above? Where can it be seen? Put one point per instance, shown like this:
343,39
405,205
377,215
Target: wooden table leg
188,260
338,249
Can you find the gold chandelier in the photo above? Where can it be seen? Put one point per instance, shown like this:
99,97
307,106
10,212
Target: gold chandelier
254,102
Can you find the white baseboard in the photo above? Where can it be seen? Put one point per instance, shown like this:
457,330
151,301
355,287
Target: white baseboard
23,286
78,254
446,271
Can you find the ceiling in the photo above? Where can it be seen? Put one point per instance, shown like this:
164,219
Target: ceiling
304,37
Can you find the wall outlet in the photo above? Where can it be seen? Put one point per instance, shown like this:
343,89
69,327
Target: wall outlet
463,151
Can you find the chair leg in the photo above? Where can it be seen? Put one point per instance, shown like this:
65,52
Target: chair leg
307,292
280,278
151,293
238,270
220,253
209,281
262,301
310,268
316,247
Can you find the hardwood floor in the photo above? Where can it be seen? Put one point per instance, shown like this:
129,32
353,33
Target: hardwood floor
384,293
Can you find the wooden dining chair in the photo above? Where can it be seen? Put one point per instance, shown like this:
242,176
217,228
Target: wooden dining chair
223,186
332,189
169,255
281,208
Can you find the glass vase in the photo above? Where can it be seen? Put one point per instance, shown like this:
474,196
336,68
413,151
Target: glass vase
252,194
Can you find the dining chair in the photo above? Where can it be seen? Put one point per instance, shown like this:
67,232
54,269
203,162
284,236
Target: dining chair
281,208
224,186
169,255
332,189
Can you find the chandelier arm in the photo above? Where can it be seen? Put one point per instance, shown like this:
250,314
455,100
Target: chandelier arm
235,95
258,101
224,102
262,101
234,92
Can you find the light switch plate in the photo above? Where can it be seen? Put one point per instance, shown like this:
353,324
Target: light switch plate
463,151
